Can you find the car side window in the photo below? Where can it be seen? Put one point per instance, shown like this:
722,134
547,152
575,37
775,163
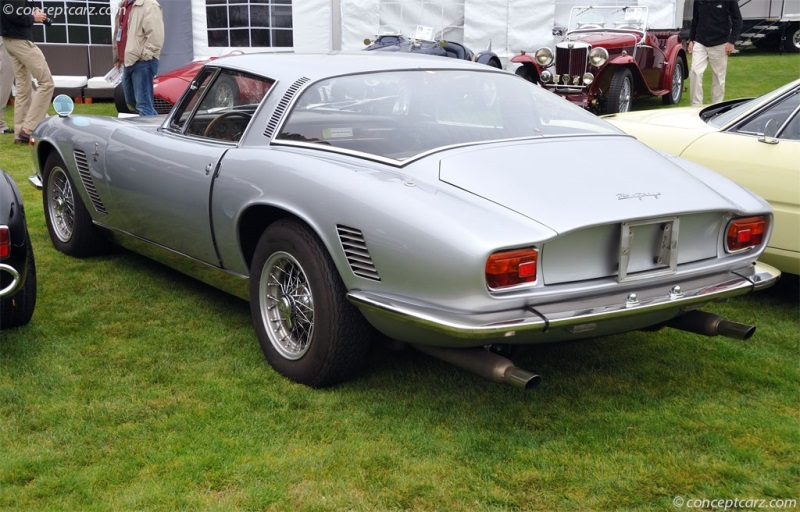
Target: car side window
225,104
196,88
778,113
792,129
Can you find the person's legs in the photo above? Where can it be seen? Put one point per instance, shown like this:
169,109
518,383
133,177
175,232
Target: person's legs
22,79
6,80
699,64
718,60
143,73
29,107
127,87
40,100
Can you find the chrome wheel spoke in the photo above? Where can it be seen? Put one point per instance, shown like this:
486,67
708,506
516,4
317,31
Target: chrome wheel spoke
288,309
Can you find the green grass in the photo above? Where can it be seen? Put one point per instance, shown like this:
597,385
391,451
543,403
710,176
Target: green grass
135,388
751,73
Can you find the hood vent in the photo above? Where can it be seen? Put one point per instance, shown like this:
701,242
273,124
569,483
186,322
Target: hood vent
88,183
355,248
283,105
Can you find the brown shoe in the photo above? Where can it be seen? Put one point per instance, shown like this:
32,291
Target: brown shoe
22,137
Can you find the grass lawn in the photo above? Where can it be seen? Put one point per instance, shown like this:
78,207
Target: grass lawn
135,388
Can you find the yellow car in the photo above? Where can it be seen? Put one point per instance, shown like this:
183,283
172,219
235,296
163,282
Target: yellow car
755,142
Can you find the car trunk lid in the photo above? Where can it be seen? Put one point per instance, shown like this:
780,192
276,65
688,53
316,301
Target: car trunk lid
565,184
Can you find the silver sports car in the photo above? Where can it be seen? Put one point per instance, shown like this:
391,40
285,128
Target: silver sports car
442,203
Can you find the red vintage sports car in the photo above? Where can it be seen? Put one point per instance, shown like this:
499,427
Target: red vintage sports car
608,58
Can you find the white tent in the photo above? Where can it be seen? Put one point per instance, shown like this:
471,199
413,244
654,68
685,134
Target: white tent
325,25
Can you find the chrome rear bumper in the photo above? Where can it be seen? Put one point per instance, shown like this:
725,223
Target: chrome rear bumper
556,321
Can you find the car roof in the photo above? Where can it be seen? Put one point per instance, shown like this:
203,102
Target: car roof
290,66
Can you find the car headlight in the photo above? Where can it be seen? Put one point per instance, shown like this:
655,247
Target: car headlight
546,77
588,78
544,56
598,57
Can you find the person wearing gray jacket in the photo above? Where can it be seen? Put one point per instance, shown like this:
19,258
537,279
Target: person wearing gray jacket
139,36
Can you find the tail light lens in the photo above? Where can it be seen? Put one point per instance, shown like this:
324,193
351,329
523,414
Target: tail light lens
745,232
510,268
5,242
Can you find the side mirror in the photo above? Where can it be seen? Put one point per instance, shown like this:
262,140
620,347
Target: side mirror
63,105
770,131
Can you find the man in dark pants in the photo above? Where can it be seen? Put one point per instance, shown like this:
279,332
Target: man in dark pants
16,25
716,26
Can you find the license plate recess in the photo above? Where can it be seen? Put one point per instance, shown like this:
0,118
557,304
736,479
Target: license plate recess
648,248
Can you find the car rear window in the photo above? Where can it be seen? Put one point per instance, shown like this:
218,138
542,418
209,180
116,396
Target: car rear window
399,115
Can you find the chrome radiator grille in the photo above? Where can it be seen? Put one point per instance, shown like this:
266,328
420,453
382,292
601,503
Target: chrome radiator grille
571,61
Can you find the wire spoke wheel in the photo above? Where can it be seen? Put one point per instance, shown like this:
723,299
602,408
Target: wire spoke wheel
307,329
287,305
61,204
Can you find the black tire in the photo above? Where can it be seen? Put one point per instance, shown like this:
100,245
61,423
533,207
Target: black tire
307,329
17,309
792,42
620,92
225,93
527,72
120,103
68,222
673,97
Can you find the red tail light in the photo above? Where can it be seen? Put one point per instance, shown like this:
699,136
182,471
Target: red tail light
5,242
509,268
745,232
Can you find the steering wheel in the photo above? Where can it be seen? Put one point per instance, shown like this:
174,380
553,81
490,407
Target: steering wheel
629,27
226,127
589,26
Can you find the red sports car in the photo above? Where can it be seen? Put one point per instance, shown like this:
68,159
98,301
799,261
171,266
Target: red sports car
608,58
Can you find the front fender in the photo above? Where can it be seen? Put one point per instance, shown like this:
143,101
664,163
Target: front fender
488,58
12,215
675,53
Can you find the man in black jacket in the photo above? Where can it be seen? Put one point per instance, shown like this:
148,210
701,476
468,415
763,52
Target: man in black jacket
716,26
16,26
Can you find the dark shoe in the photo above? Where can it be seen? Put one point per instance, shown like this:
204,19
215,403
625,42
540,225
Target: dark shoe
23,137
7,130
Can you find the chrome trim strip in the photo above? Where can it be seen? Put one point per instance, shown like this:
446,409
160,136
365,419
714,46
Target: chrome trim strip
15,280
569,314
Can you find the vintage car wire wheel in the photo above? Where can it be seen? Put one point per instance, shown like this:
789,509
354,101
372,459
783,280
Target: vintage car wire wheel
307,329
225,93
60,199
288,305
620,92
676,87
68,222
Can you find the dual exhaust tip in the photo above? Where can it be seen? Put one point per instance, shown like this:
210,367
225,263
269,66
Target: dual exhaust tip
502,370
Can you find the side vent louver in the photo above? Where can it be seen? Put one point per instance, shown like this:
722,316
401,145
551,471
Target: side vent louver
355,248
282,106
88,183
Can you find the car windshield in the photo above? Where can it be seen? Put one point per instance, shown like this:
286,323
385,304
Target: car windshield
622,18
720,115
400,115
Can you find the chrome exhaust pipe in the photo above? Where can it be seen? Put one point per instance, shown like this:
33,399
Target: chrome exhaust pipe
486,364
709,324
